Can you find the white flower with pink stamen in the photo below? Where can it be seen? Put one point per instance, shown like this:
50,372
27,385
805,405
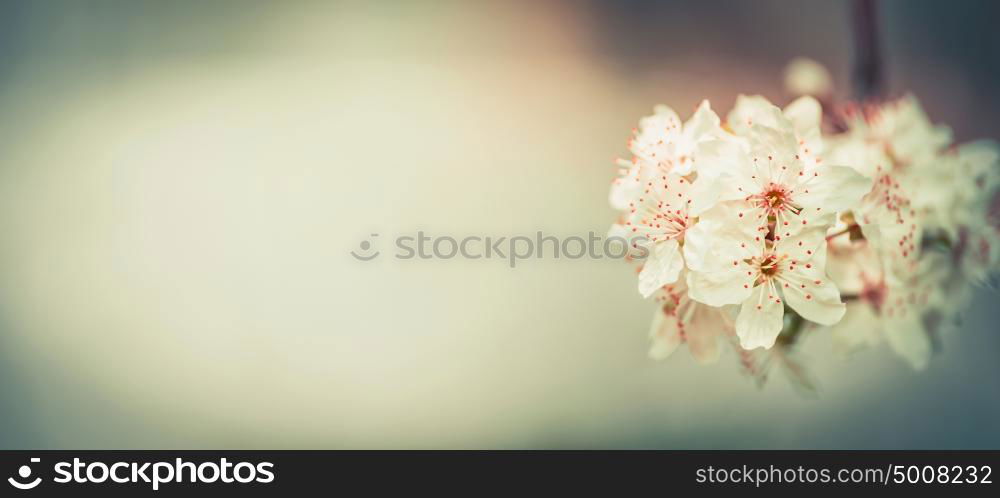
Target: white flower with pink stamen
864,221
660,216
804,115
890,223
888,306
900,128
733,262
953,191
767,170
680,320
662,145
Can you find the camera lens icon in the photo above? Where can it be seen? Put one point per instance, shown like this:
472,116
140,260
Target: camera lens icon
24,472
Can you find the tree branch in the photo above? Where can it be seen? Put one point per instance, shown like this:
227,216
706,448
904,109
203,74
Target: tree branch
867,72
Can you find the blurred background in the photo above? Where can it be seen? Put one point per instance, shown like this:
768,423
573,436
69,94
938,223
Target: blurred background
181,184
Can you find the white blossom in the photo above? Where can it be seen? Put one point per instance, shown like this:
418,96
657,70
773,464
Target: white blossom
767,169
735,263
680,320
660,216
863,220
888,306
662,145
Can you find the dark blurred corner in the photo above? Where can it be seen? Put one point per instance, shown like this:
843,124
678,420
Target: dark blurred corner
948,53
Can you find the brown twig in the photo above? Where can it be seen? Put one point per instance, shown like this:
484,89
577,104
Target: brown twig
867,74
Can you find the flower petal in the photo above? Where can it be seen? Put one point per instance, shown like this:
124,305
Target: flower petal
752,110
703,331
858,329
664,333
717,288
810,293
704,123
662,267
832,188
626,188
806,115
719,156
908,338
760,320
803,245
777,145
731,231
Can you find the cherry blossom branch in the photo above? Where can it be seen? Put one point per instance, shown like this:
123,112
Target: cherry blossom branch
867,72
838,234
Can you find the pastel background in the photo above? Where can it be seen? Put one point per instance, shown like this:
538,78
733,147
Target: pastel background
181,184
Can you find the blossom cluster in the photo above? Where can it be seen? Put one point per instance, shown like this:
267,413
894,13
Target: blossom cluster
864,219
